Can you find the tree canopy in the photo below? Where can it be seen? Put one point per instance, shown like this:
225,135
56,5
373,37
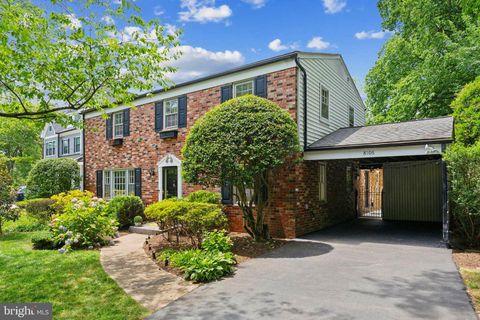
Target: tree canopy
58,55
241,142
432,53
466,110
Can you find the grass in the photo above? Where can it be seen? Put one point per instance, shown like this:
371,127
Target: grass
75,283
472,280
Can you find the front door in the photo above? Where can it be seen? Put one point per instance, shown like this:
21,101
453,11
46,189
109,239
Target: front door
169,183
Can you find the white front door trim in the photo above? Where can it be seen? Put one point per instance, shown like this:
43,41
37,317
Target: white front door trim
170,160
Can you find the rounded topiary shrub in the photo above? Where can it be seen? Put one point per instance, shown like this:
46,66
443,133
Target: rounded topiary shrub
52,176
125,208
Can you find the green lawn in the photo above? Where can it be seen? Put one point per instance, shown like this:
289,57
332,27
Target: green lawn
74,283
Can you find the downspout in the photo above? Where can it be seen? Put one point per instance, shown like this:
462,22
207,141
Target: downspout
83,151
297,61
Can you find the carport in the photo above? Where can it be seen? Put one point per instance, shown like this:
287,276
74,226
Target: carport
400,174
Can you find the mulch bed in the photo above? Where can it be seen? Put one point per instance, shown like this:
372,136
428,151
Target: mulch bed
244,248
467,259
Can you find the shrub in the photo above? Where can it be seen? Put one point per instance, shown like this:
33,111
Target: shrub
7,209
466,108
25,223
201,266
44,241
38,208
204,196
464,169
84,223
217,241
190,218
125,208
52,176
137,220
61,200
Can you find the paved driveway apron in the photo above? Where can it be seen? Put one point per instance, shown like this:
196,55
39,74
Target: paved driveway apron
360,270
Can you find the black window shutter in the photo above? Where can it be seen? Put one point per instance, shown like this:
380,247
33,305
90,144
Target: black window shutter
126,122
138,182
109,127
226,93
99,183
227,193
261,86
182,111
159,116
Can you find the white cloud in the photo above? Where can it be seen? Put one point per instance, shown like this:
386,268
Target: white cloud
75,23
277,45
256,4
334,6
362,35
197,62
158,11
203,11
170,29
318,43
108,20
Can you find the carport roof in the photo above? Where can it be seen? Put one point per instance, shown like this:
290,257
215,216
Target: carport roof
435,130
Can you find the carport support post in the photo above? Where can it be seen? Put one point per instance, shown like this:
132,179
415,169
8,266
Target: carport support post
446,204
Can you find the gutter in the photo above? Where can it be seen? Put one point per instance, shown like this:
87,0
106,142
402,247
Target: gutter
297,61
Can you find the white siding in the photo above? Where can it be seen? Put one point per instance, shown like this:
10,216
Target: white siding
327,71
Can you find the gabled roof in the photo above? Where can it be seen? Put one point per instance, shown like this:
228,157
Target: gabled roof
435,130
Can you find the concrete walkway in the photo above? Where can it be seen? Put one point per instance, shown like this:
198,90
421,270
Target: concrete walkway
127,263
364,270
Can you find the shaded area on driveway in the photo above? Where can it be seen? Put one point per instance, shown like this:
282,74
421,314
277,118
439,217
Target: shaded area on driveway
359,270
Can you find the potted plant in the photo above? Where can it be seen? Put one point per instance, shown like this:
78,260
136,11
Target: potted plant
138,220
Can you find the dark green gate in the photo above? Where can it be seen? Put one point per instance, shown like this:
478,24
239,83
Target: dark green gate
413,191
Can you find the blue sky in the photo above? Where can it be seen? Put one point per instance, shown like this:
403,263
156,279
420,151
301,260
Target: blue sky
221,34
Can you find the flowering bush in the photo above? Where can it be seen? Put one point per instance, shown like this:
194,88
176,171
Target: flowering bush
61,200
83,223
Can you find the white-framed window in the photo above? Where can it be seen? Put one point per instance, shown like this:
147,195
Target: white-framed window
324,102
248,193
243,88
50,128
170,114
76,145
50,148
322,182
118,182
118,125
351,116
66,146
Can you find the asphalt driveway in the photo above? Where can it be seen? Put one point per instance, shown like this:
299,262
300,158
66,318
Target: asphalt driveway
360,270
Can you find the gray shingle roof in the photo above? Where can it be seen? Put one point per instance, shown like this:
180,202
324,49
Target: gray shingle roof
409,132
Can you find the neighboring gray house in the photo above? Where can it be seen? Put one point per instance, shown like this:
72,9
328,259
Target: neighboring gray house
63,142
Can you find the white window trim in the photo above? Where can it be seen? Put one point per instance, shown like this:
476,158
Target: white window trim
350,108
240,83
79,145
322,197
322,118
127,179
63,146
165,115
47,144
169,160
116,136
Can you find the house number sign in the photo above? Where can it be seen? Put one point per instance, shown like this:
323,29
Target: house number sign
369,153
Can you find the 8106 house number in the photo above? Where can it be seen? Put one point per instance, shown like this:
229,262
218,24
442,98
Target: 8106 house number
369,153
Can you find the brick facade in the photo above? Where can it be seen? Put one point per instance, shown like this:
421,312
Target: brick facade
294,210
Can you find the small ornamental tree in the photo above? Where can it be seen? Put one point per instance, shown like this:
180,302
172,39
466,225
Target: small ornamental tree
241,142
6,195
52,176
466,110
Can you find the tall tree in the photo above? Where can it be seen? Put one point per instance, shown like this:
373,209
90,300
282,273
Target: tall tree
431,55
58,55
20,147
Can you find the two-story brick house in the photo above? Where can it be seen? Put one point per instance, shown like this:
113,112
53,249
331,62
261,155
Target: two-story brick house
138,151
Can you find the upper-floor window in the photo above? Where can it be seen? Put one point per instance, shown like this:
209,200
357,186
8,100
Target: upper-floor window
50,128
118,125
351,116
170,118
243,88
76,144
324,102
66,146
50,148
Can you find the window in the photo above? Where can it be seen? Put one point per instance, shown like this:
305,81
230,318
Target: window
66,146
351,116
118,183
50,128
324,102
76,145
243,88
349,178
170,114
322,183
248,193
50,148
118,125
